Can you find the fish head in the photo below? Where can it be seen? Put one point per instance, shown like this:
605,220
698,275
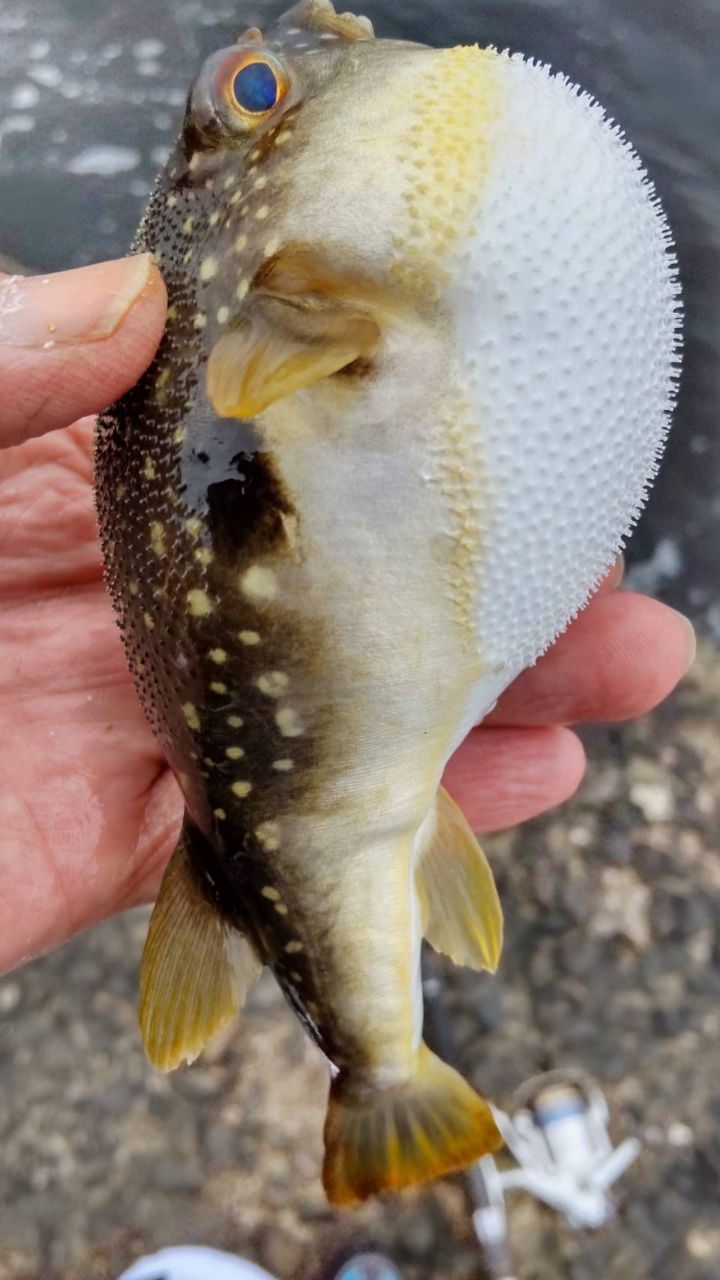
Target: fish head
442,254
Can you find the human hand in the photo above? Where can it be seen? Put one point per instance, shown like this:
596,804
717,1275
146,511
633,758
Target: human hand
89,812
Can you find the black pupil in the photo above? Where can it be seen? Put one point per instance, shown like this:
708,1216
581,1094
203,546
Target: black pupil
256,88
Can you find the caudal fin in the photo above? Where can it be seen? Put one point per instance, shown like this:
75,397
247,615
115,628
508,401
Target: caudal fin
395,1137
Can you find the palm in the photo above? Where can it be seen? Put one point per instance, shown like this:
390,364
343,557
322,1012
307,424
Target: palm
86,798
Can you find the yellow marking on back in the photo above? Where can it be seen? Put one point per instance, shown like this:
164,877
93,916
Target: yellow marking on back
288,722
259,583
446,160
157,539
191,715
268,833
199,603
273,683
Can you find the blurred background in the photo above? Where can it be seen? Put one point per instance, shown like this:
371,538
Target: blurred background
612,961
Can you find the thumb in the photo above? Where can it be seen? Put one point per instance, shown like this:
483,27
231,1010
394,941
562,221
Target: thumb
71,343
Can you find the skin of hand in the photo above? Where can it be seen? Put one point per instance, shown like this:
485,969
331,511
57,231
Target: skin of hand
89,812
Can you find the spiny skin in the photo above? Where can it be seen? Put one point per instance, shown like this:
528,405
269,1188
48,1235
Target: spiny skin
318,604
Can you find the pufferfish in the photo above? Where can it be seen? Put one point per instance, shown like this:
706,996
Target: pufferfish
419,363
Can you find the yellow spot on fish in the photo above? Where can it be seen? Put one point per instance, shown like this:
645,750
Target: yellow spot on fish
223,315
171,202
218,655
178,435
199,603
193,526
284,765
283,138
157,539
217,686
234,753
260,182
209,762
272,247
273,683
149,621
241,789
241,243
220,814
271,894
259,583
243,289
200,320
149,468
190,713
281,908
235,722
293,948
255,155
263,212
249,637
194,161
133,588
161,381
120,491
204,555
268,833
288,722
188,224
296,977
214,219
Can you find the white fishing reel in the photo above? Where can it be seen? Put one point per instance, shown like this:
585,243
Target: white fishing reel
565,1158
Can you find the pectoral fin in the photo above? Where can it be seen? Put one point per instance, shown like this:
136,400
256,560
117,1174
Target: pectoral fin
461,909
195,969
281,345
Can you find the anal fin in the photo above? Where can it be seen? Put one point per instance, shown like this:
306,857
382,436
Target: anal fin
195,969
462,916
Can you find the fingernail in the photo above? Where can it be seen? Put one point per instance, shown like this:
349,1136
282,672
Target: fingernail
691,638
71,306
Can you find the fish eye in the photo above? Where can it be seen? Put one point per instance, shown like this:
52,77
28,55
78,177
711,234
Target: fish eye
257,86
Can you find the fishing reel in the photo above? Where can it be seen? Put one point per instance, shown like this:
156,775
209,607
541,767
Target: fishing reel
565,1158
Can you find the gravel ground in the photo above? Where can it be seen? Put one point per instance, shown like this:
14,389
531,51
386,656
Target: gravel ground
612,964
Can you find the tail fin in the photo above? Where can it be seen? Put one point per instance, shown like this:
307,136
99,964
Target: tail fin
413,1132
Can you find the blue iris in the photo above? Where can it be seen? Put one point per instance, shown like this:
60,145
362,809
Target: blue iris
256,88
